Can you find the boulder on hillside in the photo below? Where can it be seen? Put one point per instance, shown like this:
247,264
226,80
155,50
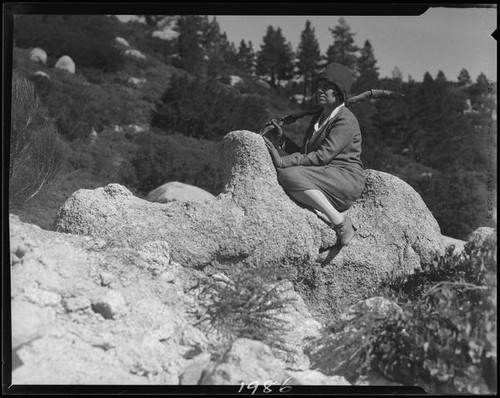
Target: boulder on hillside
178,191
38,55
66,63
253,221
122,41
135,54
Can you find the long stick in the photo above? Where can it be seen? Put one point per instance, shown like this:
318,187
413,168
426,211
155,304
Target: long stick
372,93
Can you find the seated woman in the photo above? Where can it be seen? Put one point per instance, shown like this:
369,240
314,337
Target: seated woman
326,173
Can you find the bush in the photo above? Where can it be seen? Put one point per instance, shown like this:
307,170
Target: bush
207,109
160,159
36,151
87,39
444,339
248,304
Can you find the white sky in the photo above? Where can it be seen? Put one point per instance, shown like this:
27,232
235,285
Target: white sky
446,39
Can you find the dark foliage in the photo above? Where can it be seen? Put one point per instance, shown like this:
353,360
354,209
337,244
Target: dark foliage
87,39
207,109
160,159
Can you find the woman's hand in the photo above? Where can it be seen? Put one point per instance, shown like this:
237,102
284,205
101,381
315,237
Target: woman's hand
278,131
275,156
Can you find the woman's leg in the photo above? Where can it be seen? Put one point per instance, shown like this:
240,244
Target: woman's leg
317,200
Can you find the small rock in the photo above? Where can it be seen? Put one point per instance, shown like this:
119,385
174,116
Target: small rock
191,375
29,322
111,306
247,360
480,235
42,297
315,378
106,278
168,276
76,303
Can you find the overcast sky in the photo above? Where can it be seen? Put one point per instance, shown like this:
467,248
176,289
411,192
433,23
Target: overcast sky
446,39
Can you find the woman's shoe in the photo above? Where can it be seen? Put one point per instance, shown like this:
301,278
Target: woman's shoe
345,231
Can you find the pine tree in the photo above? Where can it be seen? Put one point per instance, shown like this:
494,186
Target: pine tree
367,69
343,50
191,42
428,78
275,57
440,77
396,74
246,58
308,57
464,78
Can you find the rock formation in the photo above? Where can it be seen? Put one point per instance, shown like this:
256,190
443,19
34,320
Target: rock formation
87,312
253,221
178,191
38,55
66,63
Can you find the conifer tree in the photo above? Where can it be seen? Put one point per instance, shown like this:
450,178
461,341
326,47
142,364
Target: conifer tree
464,78
397,74
308,57
367,69
246,58
275,57
343,50
191,42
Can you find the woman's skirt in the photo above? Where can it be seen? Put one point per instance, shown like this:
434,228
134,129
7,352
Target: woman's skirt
341,185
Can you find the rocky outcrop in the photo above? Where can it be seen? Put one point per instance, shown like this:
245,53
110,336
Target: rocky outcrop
253,221
84,312
87,312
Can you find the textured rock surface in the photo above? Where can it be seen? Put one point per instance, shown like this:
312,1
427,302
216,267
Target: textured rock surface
138,334
246,361
254,221
86,312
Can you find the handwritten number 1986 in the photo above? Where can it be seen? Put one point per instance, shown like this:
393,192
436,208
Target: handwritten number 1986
266,386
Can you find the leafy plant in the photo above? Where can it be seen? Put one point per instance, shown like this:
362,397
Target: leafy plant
245,305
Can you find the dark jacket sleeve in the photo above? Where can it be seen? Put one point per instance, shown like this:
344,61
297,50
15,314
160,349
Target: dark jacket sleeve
289,146
340,133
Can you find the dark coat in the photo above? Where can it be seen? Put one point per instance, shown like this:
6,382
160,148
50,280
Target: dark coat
329,161
338,142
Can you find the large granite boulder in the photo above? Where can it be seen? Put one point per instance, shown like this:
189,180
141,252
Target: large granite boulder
253,221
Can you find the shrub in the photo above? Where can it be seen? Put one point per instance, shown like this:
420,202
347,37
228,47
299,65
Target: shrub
245,305
36,151
207,109
444,339
87,39
160,159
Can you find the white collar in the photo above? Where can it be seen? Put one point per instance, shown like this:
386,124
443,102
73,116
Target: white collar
332,115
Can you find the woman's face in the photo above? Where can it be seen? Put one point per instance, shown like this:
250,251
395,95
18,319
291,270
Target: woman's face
327,93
